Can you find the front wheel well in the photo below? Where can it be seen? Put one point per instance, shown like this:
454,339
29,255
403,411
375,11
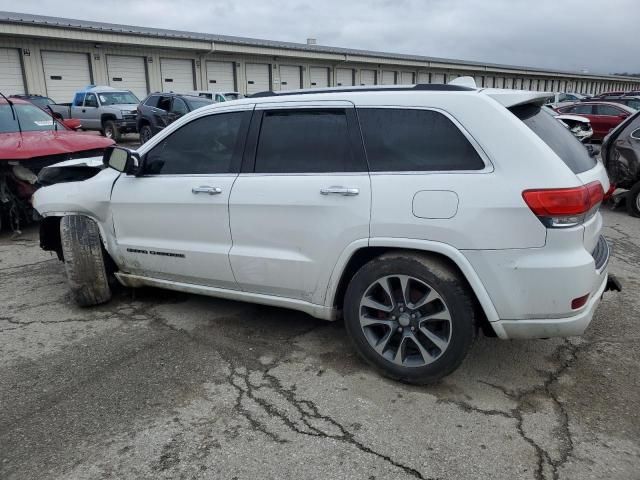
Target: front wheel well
366,254
106,117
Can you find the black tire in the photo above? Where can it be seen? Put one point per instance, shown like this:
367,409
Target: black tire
633,200
454,294
145,133
110,130
84,261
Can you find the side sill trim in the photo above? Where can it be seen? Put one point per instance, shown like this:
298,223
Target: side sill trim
318,311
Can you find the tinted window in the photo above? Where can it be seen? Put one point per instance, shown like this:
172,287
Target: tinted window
304,141
607,110
195,103
205,145
558,137
179,106
164,103
152,101
78,99
415,140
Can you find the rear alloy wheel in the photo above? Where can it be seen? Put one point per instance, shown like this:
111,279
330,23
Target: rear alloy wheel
633,200
410,316
145,134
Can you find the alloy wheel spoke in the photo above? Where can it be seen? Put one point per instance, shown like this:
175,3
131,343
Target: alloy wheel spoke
367,321
384,283
398,357
383,342
428,298
371,303
437,341
426,356
404,286
443,315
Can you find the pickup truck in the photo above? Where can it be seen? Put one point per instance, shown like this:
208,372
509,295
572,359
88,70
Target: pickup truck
106,109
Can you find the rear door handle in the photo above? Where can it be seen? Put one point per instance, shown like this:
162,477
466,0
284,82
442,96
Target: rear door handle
345,191
207,189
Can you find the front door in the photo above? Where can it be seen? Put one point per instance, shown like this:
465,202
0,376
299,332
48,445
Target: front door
302,199
88,113
172,222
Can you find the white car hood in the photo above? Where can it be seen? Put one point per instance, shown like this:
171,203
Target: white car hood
89,162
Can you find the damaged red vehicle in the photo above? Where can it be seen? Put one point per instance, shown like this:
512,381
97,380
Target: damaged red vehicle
31,139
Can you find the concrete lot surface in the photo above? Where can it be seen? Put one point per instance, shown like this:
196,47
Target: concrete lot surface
162,385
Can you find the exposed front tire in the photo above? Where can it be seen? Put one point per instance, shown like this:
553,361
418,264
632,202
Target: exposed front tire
145,133
633,200
410,316
111,130
84,261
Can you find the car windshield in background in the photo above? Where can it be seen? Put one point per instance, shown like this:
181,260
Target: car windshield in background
232,96
31,118
198,102
117,98
559,138
42,102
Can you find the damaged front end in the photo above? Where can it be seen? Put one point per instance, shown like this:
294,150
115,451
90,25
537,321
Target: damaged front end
19,180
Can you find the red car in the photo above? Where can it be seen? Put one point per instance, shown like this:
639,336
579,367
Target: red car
604,116
31,139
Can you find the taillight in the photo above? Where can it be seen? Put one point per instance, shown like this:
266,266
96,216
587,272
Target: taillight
564,207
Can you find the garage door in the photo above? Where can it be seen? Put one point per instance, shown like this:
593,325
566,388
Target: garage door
11,80
437,77
290,78
221,77
65,73
388,77
423,77
344,76
406,78
367,77
258,78
128,73
319,77
177,75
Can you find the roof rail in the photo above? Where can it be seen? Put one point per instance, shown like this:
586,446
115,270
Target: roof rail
432,87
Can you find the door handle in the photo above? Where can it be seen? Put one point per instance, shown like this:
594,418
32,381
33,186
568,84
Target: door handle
345,191
207,189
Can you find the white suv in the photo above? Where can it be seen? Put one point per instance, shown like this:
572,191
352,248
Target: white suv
420,214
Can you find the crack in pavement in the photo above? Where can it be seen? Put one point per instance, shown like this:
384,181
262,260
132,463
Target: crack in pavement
307,410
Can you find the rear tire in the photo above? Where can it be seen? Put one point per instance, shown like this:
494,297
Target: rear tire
84,261
633,200
111,130
145,134
418,336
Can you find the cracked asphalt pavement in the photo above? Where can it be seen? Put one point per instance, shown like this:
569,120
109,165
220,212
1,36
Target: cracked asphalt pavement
164,385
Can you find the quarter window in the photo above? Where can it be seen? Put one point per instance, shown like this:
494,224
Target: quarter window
415,140
206,145
305,141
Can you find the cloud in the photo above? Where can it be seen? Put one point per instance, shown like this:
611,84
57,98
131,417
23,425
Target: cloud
563,34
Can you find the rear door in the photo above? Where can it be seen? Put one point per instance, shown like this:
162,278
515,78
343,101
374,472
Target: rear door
303,199
172,222
609,117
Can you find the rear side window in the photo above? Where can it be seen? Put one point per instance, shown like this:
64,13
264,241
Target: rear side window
78,99
304,141
607,110
559,138
579,109
152,101
207,145
408,140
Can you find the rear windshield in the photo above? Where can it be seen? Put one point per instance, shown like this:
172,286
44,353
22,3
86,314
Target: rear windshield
557,136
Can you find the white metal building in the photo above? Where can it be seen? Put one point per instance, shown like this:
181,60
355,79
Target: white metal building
57,56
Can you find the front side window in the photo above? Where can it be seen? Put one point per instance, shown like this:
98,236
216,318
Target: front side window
90,100
179,107
415,140
304,141
204,146
152,101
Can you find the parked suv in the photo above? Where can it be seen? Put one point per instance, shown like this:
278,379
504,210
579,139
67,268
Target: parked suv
106,109
161,109
417,213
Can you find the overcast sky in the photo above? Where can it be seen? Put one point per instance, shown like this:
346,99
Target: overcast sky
600,37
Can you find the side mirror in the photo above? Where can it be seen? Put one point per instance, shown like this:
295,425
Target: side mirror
121,159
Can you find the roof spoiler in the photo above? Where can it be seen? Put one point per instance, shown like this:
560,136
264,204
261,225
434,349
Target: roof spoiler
512,98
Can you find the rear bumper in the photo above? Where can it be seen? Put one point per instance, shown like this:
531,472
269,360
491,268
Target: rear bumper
552,327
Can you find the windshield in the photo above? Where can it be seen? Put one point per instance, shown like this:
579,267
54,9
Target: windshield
41,102
232,96
197,103
31,118
117,98
560,139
